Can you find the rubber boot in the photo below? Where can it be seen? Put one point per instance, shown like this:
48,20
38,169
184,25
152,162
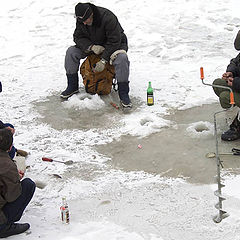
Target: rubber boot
72,87
14,229
123,90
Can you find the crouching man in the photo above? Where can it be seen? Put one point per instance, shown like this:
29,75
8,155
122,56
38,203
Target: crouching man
231,79
14,194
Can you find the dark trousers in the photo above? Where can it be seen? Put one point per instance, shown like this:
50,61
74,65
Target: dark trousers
14,210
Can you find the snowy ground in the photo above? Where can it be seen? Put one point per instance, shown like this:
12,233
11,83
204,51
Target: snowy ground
169,40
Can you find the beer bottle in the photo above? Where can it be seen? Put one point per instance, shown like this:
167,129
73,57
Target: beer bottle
150,99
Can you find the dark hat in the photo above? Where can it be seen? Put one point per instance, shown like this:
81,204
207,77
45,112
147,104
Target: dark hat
237,41
6,139
83,11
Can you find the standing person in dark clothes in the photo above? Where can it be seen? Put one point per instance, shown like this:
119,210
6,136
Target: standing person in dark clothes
98,31
14,194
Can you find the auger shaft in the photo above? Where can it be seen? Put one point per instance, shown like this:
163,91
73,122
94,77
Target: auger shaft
221,214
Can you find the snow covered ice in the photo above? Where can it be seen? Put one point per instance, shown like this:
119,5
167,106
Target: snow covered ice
169,40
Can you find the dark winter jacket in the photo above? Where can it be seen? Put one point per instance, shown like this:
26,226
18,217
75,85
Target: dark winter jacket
234,67
10,186
105,31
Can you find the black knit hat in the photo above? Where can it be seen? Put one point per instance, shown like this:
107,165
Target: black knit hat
83,11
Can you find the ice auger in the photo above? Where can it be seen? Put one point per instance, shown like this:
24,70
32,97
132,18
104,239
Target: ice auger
221,214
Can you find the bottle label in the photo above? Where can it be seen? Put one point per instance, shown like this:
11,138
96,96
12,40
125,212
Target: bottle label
65,215
150,100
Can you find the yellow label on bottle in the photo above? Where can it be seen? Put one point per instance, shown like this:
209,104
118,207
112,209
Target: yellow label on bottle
150,100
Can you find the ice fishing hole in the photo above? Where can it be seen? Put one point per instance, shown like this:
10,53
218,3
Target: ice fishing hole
201,127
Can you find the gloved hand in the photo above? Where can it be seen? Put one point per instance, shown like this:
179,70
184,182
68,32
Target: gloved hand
114,55
97,49
100,65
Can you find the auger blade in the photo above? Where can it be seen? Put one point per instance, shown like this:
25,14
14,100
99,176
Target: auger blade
220,209
218,218
216,193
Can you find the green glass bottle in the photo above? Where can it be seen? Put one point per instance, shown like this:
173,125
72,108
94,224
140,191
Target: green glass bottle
150,98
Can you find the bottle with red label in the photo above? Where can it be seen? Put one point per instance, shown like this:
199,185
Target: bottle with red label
64,211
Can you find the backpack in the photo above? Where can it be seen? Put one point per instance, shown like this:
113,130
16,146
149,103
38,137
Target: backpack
98,82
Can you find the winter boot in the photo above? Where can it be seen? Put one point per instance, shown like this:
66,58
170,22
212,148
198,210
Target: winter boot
234,132
14,229
72,87
123,90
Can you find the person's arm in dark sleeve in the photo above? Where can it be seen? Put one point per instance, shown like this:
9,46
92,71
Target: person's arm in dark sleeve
236,84
233,67
13,184
113,33
81,39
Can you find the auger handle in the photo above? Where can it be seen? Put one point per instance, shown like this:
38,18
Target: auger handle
47,159
201,73
232,102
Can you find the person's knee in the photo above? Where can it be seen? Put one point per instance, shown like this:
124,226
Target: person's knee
220,82
224,99
122,58
70,51
217,83
28,184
